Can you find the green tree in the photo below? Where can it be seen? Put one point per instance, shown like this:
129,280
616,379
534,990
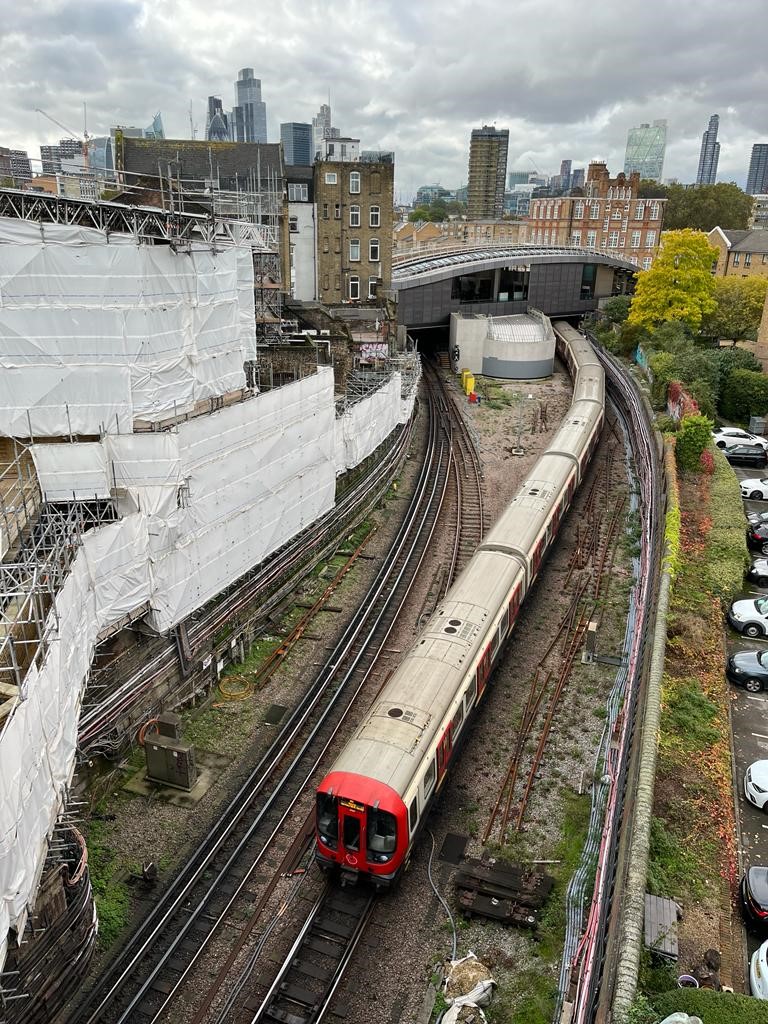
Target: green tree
617,308
421,213
679,285
707,206
739,308
694,437
662,366
650,189
745,394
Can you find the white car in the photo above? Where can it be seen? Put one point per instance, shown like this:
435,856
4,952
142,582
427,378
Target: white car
757,487
758,972
725,437
750,617
756,784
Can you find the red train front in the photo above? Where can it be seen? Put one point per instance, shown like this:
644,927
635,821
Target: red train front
361,827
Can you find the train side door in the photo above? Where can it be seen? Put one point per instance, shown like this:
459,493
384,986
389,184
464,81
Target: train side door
444,748
483,670
352,832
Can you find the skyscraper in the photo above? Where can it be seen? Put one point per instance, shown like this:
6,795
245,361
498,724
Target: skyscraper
216,123
296,138
710,153
645,150
487,173
249,112
757,176
565,174
322,129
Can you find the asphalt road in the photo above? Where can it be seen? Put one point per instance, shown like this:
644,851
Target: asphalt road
749,715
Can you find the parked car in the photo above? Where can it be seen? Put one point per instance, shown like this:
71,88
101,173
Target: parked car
746,455
758,572
757,518
756,784
755,488
757,538
748,669
725,437
758,972
754,896
750,616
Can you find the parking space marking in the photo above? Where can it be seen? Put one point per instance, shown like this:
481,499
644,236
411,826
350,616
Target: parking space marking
759,736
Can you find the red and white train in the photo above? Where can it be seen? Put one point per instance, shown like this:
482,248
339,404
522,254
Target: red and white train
375,799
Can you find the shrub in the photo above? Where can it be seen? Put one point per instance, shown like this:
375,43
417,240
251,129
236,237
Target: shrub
745,394
726,546
666,424
707,463
712,1007
662,366
694,437
617,308
702,391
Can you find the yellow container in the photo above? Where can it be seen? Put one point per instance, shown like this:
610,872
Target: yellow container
469,383
464,375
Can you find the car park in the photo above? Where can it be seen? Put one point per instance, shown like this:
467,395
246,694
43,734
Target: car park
758,572
753,891
746,455
750,616
758,972
756,784
748,669
756,488
757,518
726,437
757,538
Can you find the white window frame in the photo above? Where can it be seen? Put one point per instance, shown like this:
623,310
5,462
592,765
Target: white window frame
354,250
374,243
354,179
736,259
297,193
374,217
354,216
650,239
594,211
372,282
613,239
635,240
647,261
575,238
578,209
654,214
639,211
354,286
331,178
747,259
591,239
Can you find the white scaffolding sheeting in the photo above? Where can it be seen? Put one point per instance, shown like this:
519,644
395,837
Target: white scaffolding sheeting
109,576
179,324
77,472
367,423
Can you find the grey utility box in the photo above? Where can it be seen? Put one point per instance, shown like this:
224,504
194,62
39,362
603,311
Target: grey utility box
169,724
170,762
757,425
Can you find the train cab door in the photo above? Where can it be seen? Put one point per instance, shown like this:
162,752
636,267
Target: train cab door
352,833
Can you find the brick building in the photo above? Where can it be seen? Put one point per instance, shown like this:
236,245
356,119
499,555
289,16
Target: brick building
354,226
740,253
609,217
453,234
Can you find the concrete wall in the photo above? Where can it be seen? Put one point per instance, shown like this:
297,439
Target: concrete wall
495,358
302,250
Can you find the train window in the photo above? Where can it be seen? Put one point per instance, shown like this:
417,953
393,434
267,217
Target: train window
429,778
351,832
327,819
470,695
458,718
382,834
413,813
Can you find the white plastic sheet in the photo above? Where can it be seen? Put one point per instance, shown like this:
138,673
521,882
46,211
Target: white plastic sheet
109,574
367,423
54,401
71,472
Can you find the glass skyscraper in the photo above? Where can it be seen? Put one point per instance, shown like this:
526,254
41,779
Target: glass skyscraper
249,112
296,138
645,150
757,176
710,153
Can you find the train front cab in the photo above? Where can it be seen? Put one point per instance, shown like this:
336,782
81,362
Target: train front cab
361,829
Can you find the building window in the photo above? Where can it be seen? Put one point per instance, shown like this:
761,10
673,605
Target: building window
633,260
337,243
354,216
374,184
765,258
617,213
326,282
373,251
654,214
736,259
546,237
372,282
549,211
539,239
293,223
650,239
325,211
613,240
326,247
337,211
639,211
747,259
354,287
575,238
354,183
374,220
591,239
330,178
354,250
298,193
635,242
594,211
578,210
647,261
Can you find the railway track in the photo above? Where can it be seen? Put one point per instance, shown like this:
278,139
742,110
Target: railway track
227,869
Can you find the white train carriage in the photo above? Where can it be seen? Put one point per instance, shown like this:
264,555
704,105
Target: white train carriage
579,434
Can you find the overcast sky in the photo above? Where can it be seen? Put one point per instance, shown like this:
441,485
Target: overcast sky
567,79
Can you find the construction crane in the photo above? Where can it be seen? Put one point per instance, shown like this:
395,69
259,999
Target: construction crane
82,139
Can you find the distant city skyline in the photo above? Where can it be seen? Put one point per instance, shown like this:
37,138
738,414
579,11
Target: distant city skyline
131,59
710,153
